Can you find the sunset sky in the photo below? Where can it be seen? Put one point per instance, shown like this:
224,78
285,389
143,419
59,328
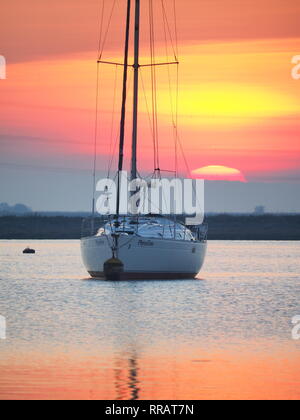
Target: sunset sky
239,106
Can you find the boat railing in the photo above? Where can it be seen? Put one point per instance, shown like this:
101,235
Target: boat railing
92,226
200,232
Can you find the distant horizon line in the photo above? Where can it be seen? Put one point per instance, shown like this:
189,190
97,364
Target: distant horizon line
89,213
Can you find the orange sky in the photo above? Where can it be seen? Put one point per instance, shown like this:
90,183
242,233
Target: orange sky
239,106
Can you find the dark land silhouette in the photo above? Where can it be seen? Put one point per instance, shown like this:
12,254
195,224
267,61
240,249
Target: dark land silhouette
220,227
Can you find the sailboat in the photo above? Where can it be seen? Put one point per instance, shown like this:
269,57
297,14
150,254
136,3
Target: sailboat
148,246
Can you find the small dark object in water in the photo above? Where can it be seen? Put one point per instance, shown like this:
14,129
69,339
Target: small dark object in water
113,269
29,251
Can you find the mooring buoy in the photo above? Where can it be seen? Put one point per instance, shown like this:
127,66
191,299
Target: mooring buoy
29,251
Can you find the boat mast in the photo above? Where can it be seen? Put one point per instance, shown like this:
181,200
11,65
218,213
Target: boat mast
123,112
136,67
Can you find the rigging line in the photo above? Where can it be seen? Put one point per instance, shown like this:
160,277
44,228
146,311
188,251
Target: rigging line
101,27
156,120
107,30
168,27
176,121
152,98
148,113
183,154
96,117
174,114
187,165
168,70
95,141
154,82
146,102
177,72
174,117
176,27
113,155
111,63
177,86
113,116
157,64
146,177
167,55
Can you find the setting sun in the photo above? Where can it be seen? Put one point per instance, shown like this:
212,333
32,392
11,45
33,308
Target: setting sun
219,173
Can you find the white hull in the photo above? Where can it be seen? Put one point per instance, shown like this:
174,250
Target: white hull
145,258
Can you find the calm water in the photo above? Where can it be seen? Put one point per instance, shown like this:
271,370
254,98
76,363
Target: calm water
224,335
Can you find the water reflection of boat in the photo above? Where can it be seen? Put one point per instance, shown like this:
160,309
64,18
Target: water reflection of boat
126,378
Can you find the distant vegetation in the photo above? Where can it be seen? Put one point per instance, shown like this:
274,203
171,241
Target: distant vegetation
221,227
18,209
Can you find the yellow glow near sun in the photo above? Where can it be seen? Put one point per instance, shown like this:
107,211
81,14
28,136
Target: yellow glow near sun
229,102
